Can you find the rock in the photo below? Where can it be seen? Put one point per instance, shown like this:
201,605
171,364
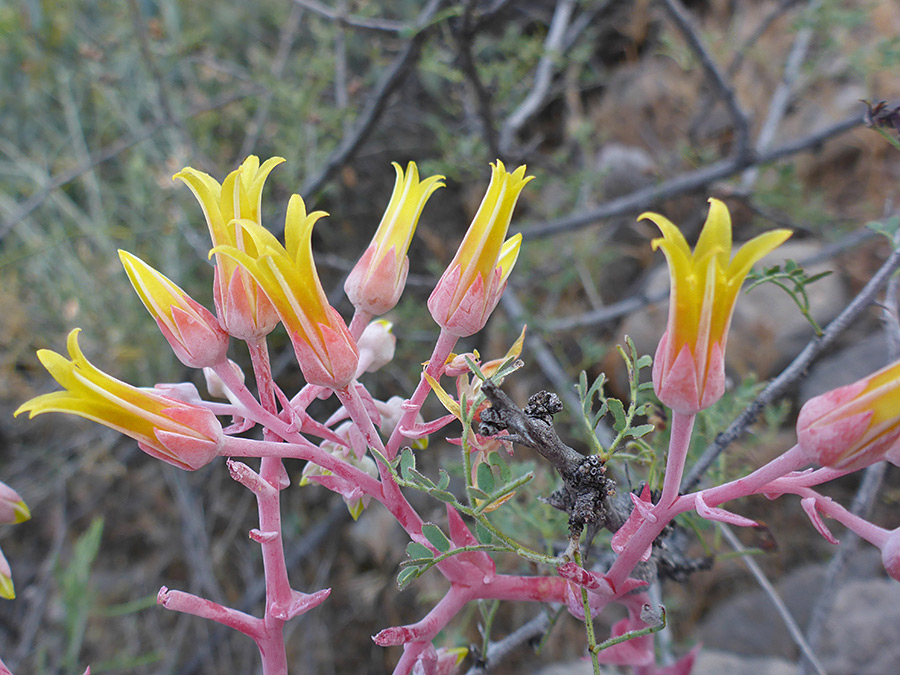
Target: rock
712,662
624,168
860,636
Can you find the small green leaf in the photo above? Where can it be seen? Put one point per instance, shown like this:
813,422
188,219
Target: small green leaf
485,478
640,430
482,534
436,537
443,495
496,460
618,411
406,575
415,550
478,494
420,478
444,480
407,462
644,362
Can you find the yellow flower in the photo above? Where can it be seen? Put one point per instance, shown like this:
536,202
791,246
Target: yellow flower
192,331
326,352
471,286
689,368
376,282
180,433
855,425
244,311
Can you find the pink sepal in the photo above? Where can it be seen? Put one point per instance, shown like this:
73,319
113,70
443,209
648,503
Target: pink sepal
200,342
462,536
236,314
197,419
375,289
634,652
337,366
678,384
827,441
714,385
623,535
301,604
394,636
809,506
470,314
345,488
426,428
720,515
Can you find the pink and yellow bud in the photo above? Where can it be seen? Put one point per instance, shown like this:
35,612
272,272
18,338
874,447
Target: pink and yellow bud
12,508
7,590
325,350
377,281
193,332
689,367
471,286
855,425
183,434
244,311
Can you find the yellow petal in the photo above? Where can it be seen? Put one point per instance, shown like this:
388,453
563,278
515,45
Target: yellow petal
445,398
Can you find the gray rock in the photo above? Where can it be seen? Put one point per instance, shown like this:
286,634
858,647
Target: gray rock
625,168
712,662
861,635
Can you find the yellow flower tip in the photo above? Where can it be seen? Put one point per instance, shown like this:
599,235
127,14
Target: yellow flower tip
7,590
22,512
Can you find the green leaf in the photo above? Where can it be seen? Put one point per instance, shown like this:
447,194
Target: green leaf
436,537
415,550
644,362
443,495
407,462
482,534
406,575
485,477
618,411
444,481
420,478
495,459
641,430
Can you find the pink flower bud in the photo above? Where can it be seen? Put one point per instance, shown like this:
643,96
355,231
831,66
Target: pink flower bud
376,346
472,284
855,425
12,507
193,332
377,281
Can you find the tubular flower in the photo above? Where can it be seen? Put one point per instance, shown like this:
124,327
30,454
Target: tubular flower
855,425
471,286
12,508
325,350
193,332
689,367
185,435
377,281
244,311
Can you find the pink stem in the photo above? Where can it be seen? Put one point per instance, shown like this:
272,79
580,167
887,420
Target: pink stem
442,349
188,603
358,323
279,594
679,444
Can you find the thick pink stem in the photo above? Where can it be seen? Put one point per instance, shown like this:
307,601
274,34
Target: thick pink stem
358,323
679,443
279,595
442,349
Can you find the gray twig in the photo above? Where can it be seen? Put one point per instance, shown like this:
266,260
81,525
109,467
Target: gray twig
543,76
714,75
482,96
770,591
376,102
498,651
692,180
340,17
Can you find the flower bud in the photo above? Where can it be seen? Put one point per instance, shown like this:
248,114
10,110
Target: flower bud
12,507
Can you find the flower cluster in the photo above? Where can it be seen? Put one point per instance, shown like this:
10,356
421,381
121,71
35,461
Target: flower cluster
365,451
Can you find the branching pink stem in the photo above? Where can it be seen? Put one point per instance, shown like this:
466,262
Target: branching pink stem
679,443
442,349
358,323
